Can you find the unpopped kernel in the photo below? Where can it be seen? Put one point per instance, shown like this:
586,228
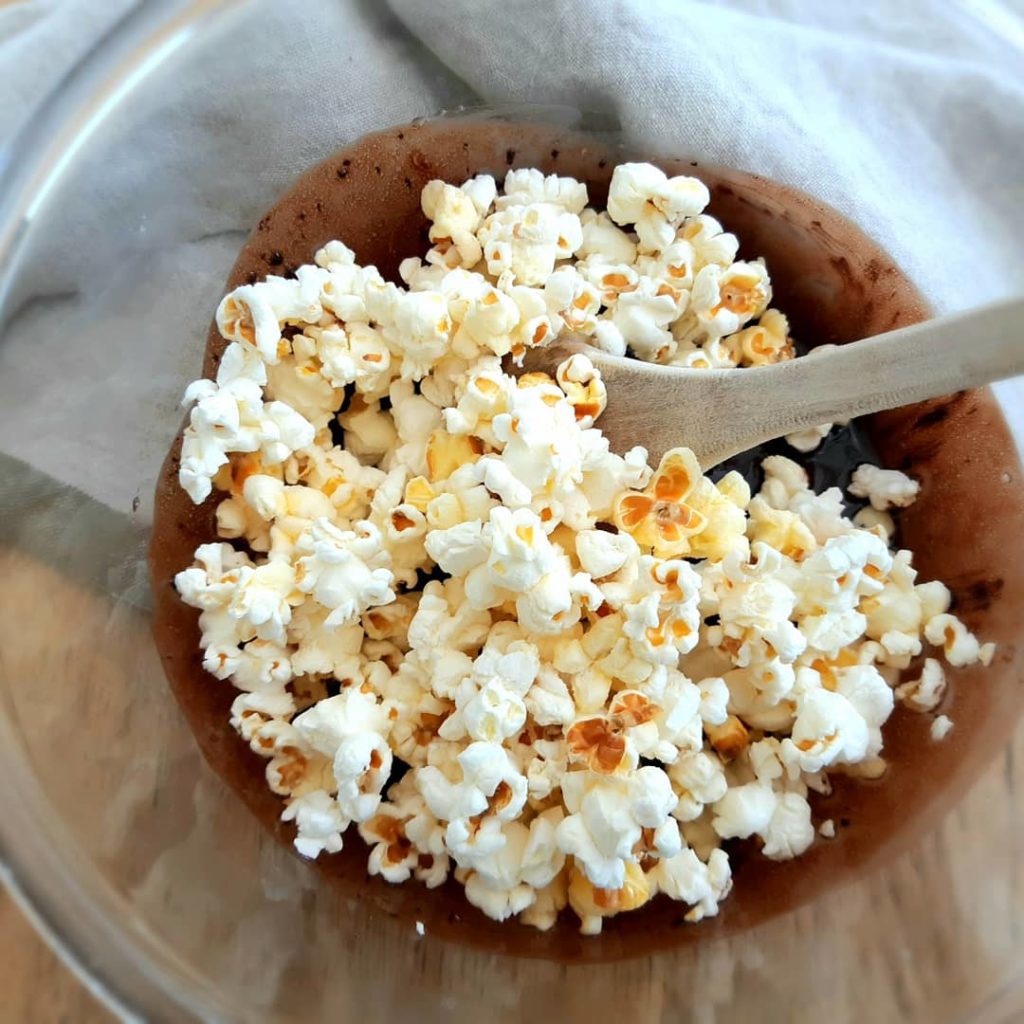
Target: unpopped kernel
596,674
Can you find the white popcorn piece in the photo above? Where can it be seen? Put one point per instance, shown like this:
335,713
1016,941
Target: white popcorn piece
790,831
601,553
604,240
521,554
296,381
528,186
606,817
642,316
356,354
609,338
883,488
351,729
744,810
642,195
526,240
827,829
455,219
490,783
827,730
506,883
340,569
809,439
230,416
419,331
710,243
549,701
253,314
924,693
942,726
687,879
958,643
723,300
869,518
698,780
714,700
319,822
582,384
252,712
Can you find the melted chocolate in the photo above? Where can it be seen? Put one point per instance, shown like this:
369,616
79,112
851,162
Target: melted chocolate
835,285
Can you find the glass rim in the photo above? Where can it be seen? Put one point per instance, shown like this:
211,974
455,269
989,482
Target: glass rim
78,912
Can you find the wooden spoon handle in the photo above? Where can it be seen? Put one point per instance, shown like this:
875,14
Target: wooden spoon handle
936,357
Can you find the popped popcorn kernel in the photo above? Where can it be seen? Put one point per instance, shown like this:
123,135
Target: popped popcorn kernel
497,650
591,904
660,517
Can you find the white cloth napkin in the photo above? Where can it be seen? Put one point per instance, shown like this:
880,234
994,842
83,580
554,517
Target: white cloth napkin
908,117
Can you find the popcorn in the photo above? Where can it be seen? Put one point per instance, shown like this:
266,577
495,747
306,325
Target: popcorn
252,712
587,675
582,384
521,554
296,382
681,513
319,822
355,354
660,517
253,313
506,883
698,779
231,416
744,810
827,730
419,331
607,816
663,622
455,219
709,242
723,300
591,903
790,831
528,186
604,240
684,877
884,488
766,343
642,316
526,240
642,195
352,729
959,645
809,439
924,693
341,570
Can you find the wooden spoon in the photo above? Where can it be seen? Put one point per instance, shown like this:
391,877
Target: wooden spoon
719,413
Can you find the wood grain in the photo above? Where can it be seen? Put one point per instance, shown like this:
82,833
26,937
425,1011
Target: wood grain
37,987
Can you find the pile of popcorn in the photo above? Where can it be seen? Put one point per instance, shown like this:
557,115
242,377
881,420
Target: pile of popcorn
499,649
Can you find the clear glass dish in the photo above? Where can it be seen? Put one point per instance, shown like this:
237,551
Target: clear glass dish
138,862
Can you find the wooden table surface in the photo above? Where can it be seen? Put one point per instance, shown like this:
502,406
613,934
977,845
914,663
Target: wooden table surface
37,988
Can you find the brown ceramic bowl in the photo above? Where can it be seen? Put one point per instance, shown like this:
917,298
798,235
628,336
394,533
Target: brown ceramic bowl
836,285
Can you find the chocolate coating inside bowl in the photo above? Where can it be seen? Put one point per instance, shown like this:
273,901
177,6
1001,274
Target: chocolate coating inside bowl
967,527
